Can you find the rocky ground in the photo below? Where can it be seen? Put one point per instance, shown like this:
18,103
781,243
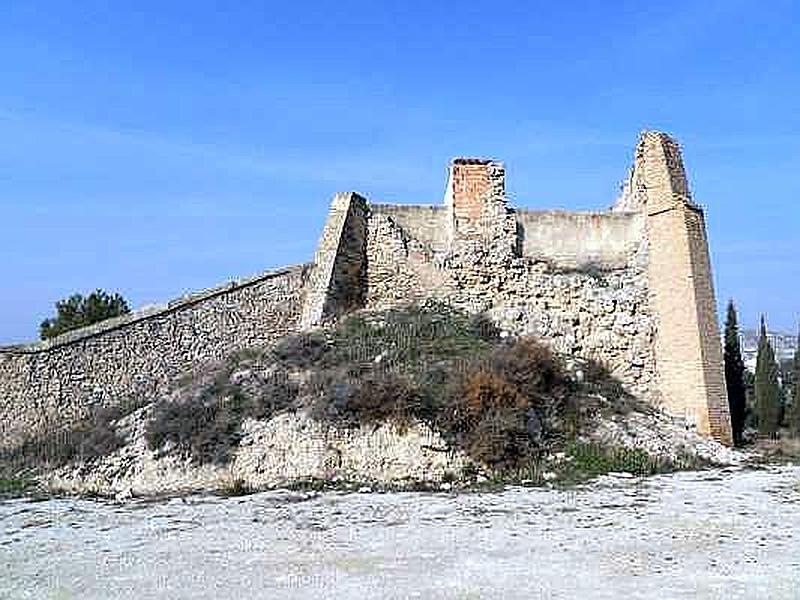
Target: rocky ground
724,533
292,448
284,450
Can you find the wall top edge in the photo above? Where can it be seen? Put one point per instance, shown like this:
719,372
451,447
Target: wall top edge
607,214
150,312
379,206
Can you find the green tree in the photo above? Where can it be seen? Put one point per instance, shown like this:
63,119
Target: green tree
79,311
793,416
734,374
768,392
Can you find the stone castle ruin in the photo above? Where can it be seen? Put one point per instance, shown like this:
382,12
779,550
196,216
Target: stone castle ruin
630,287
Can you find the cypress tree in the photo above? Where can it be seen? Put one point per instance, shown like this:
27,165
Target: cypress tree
734,374
768,393
794,413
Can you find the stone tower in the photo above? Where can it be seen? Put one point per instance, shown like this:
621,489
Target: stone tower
687,345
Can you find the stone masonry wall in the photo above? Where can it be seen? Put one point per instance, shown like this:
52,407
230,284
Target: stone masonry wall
601,315
599,310
51,384
426,224
631,287
336,281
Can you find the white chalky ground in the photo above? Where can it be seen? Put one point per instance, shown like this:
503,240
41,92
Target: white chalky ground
715,534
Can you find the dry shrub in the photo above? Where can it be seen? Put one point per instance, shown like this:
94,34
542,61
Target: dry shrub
501,401
300,351
531,367
371,397
490,417
206,431
504,408
483,392
500,439
500,407
93,437
206,425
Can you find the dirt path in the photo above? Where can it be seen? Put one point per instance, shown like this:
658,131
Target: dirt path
715,534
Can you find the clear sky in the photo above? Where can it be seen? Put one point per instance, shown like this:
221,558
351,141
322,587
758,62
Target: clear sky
155,148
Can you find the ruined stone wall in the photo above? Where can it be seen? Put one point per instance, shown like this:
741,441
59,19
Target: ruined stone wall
596,312
426,224
631,288
54,383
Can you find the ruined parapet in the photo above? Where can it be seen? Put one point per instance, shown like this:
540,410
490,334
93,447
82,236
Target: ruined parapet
688,349
580,240
336,283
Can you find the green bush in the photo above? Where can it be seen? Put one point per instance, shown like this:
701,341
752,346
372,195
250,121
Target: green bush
409,339
590,460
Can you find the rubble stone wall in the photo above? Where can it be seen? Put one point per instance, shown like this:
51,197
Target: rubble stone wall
426,224
51,384
597,313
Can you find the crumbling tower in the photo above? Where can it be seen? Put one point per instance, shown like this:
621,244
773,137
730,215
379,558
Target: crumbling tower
687,345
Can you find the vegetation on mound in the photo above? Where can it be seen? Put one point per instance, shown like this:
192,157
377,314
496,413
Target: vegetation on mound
15,486
503,401
506,402
91,438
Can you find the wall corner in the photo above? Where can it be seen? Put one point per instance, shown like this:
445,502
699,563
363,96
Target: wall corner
336,282
688,343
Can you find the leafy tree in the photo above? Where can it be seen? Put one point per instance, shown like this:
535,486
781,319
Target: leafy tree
768,392
79,311
734,374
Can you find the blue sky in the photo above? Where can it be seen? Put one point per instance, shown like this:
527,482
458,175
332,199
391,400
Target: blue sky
155,148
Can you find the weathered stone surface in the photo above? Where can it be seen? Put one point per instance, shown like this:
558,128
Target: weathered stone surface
688,349
335,285
286,449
